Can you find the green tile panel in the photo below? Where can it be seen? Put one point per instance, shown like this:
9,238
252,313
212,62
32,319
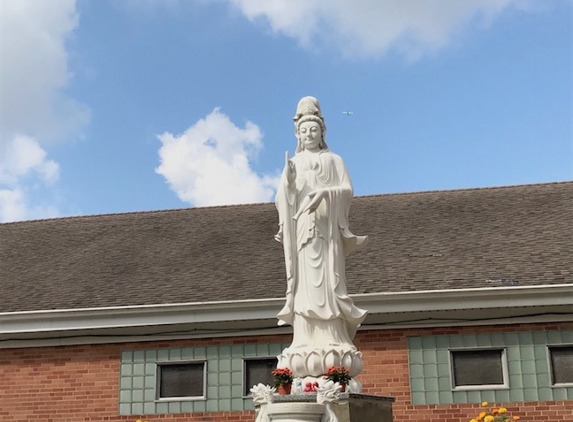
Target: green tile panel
527,365
224,381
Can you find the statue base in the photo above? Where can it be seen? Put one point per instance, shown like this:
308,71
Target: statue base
309,361
295,412
349,408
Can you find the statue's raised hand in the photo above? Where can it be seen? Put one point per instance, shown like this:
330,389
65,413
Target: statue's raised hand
289,170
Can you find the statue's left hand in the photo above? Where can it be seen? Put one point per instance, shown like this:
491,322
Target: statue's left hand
316,198
311,202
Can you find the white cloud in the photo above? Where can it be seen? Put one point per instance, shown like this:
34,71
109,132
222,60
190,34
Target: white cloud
12,206
24,168
209,164
22,156
15,206
33,69
34,110
373,27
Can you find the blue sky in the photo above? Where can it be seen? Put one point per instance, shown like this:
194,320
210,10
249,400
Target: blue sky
120,106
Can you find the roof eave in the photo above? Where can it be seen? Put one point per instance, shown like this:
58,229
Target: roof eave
377,304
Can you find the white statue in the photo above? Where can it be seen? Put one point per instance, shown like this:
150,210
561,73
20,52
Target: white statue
313,201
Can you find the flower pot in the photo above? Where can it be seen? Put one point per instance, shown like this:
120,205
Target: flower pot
284,389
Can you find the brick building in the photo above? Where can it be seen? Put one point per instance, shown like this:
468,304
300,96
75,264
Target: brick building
469,293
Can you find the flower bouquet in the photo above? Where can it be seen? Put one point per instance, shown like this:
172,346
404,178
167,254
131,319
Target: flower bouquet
493,415
339,374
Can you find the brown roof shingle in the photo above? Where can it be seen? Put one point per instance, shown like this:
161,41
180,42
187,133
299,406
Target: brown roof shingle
418,241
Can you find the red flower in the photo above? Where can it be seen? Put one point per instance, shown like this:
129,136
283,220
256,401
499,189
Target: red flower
282,376
338,374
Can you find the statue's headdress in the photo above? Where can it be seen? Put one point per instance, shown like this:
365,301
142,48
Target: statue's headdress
308,109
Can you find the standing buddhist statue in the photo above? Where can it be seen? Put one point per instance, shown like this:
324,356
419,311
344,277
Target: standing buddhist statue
313,201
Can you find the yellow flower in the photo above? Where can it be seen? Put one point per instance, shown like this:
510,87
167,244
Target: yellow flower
488,418
473,420
482,414
484,404
502,410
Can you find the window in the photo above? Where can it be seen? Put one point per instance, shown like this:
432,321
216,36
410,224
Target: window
561,361
180,380
258,371
478,369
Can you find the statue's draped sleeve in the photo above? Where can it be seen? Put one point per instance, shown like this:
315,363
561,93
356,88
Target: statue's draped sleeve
286,206
341,200
343,242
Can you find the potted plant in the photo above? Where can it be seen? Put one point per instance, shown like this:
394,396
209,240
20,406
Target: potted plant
340,375
283,380
498,414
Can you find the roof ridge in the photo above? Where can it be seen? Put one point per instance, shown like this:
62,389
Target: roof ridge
111,214
420,192
266,203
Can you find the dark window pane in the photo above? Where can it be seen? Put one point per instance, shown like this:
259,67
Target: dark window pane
259,370
562,364
477,367
181,380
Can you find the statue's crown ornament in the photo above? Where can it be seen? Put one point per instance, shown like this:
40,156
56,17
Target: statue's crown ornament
308,106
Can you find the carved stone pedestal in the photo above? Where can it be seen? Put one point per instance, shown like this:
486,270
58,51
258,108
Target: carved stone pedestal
349,408
295,412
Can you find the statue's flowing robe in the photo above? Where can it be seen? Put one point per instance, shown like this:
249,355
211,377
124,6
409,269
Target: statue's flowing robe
316,243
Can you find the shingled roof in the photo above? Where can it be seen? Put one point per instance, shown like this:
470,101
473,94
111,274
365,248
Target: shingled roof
471,238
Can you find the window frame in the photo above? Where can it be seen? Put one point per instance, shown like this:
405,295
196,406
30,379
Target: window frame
161,363
504,370
245,360
550,366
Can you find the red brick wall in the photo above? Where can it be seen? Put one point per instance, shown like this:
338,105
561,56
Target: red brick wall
81,383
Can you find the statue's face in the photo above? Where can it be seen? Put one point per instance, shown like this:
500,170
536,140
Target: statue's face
310,135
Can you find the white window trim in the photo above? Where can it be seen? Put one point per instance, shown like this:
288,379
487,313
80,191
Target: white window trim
550,366
158,365
504,368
